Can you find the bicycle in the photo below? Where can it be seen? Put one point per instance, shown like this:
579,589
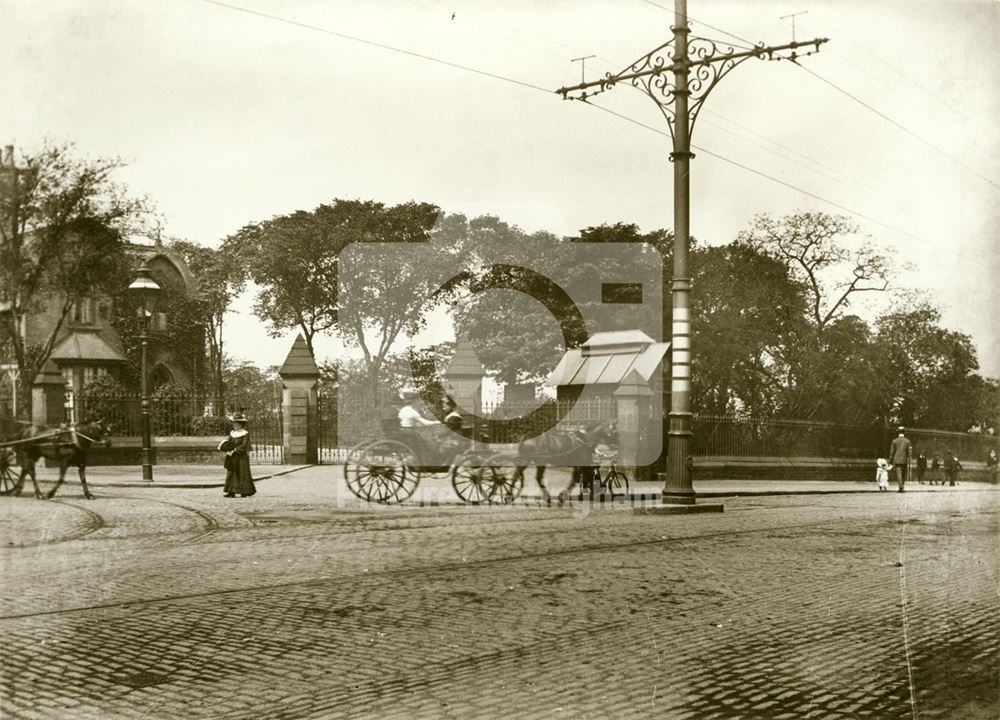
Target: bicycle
613,479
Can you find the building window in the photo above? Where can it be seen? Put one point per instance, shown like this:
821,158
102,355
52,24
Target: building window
90,374
82,311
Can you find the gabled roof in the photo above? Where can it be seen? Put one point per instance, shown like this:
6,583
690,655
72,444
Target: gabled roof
608,357
85,346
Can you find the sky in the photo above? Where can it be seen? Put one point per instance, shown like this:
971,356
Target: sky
227,117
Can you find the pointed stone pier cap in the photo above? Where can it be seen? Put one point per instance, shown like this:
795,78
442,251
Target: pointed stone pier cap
49,374
633,385
465,363
300,364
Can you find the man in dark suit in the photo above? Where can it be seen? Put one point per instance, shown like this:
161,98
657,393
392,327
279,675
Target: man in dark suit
899,457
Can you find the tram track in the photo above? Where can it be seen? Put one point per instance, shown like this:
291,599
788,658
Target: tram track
211,524
96,522
424,570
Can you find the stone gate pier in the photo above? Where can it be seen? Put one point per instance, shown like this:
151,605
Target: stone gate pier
300,429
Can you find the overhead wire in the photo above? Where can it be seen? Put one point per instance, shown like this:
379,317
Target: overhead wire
761,174
372,43
858,100
902,127
701,22
827,172
843,179
935,98
808,158
451,7
548,91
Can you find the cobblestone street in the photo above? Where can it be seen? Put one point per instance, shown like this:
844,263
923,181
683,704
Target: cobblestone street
171,603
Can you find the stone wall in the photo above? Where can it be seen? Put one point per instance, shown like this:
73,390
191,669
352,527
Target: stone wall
166,451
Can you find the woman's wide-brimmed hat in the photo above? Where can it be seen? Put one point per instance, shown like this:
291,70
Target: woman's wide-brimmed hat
240,418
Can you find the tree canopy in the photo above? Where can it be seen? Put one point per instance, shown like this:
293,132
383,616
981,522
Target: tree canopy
220,280
776,328
827,254
60,241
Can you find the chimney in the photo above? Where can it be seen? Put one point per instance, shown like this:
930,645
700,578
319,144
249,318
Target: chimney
8,156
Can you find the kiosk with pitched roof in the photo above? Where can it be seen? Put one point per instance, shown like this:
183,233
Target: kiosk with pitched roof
618,375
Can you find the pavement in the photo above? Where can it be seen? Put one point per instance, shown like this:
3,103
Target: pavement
211,476
302,602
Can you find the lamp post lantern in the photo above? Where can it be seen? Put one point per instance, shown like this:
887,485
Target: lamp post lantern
145,292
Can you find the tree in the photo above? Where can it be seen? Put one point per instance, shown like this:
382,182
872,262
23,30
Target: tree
931,371
295,260
220,280
250,389
60,241
389,286
516,336
839,378
749,312
292,261
817,247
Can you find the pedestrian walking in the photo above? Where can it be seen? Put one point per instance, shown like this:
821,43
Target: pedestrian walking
951,469
991,465
239,481
899,457
882,474
936,470
921,467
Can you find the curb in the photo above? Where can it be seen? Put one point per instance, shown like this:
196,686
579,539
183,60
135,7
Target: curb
184,484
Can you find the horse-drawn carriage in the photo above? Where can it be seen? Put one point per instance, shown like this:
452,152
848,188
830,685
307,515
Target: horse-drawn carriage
22,444
388,469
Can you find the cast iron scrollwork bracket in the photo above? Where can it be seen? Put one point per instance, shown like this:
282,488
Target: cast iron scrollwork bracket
708,62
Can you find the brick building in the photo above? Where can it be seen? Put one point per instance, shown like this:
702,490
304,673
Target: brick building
88,345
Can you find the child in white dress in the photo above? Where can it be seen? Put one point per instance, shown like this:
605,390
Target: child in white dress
882,474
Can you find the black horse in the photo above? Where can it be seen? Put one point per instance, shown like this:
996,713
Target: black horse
568,448
68,446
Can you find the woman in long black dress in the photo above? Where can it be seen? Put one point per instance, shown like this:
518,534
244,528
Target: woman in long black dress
239,481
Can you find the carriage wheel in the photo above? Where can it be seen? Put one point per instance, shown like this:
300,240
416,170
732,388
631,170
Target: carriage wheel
467,479
377,472
502,477
8,474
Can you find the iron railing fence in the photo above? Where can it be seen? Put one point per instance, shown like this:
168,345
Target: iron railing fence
713,435
337,434
734,436
189,415
966,446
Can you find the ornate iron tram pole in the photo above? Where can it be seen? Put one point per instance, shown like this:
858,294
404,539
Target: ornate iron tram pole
679,89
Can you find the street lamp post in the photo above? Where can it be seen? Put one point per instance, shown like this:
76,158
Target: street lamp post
145,291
